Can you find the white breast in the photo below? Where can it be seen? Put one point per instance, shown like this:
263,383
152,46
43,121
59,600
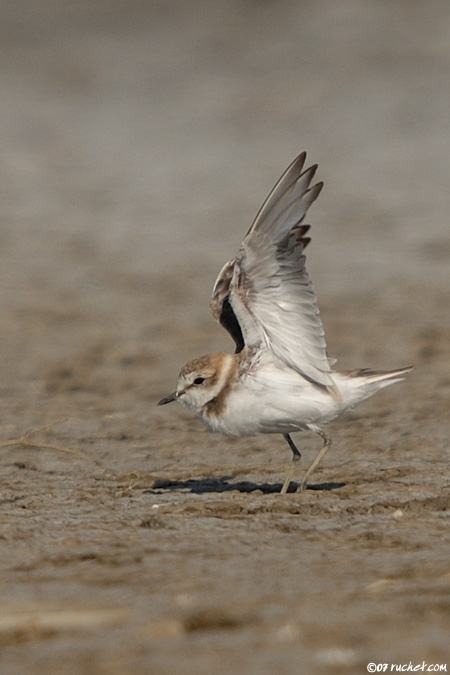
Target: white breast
272,401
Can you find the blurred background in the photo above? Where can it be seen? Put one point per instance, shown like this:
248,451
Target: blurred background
139,139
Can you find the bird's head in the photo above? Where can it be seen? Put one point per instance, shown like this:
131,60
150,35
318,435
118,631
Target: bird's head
201,380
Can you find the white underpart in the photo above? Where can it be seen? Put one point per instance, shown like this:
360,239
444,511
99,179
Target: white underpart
281,401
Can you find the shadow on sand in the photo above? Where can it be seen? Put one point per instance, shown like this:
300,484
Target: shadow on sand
224,484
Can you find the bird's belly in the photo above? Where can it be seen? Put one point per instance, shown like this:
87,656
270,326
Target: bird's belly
249,412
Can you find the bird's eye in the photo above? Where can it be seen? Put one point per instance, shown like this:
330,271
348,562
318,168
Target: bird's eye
199,380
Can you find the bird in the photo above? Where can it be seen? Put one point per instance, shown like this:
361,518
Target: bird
280,379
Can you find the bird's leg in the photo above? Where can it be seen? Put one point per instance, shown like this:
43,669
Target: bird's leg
295,457
320,456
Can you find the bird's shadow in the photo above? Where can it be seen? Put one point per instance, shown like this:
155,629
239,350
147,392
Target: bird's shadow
224,484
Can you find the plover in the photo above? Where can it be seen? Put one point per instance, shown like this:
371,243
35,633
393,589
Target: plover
280,379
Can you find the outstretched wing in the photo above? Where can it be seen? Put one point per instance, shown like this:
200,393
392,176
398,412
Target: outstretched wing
265,296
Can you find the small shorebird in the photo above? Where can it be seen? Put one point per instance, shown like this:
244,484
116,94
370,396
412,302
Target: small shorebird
280,378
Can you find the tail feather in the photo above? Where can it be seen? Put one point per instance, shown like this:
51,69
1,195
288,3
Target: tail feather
358,385
380,375
382,378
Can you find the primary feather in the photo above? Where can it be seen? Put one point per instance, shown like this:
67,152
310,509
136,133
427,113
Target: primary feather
268,288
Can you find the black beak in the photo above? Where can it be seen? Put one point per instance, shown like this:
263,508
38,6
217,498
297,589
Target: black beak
168,399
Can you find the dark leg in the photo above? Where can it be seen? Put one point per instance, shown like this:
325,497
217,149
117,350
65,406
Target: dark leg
295,457
293,447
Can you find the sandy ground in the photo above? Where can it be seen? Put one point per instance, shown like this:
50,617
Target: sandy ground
138,141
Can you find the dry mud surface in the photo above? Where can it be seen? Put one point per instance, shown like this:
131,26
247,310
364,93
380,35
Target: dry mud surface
138,141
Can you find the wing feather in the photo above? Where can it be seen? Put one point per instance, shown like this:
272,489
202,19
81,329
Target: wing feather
267,287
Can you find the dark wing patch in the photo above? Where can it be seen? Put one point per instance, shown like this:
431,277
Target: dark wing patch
230,323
